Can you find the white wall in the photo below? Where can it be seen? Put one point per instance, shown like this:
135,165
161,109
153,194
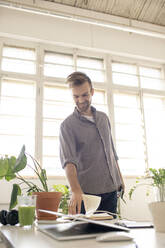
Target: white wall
14,23
44,29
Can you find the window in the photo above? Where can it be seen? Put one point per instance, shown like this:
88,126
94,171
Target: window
139,117
34,102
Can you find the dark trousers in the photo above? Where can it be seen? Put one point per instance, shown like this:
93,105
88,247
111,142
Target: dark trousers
108,202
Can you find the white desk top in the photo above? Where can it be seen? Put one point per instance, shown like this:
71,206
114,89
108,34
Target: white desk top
20,238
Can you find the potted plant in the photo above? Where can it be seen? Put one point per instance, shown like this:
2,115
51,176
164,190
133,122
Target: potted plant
10,168
156,179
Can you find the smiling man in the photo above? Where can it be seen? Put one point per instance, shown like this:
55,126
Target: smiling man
86,150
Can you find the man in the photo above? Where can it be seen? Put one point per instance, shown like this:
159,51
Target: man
86,150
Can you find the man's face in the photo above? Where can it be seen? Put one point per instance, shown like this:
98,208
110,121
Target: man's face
82,96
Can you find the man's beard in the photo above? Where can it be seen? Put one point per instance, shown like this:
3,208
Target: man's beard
83,107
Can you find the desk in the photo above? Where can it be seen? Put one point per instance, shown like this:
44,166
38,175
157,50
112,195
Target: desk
16,237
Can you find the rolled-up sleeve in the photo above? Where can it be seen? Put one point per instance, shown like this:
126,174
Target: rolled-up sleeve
67,146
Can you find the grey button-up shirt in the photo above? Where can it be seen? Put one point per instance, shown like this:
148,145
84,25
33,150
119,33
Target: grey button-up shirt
89,146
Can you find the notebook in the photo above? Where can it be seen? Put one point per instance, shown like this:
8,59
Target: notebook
78,228
134,224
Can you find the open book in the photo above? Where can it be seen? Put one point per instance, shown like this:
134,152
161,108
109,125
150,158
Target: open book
92,216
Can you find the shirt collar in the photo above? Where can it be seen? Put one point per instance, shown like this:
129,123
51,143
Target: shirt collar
78,114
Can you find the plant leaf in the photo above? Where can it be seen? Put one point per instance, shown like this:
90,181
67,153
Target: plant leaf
61,188
10,174
3,167
15,192
9,177
21,161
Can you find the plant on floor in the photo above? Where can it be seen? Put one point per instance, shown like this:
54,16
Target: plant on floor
155,178
10,168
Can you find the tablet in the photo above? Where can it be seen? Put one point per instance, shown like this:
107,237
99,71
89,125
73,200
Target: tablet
79,228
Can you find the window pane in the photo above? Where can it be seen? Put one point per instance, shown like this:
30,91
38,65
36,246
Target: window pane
150,72
99,97
154,109
58,58
17,106
17,88
132,166
11,144
151,78
16,59
130,144
20,125
124,79
21,66
51,127
126,100
53,144
19,53
150,83
93,67
17,116
53,166
125,68
124,74
57,110
95,76
61,94
60,71
58,64
90,63
129,132
130,149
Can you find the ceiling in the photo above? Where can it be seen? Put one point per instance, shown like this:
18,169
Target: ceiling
149,11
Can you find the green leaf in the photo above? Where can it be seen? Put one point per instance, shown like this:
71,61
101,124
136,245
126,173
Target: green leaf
61,188
15,192
10,177
43,175
3,167
10,173
21,161
43,179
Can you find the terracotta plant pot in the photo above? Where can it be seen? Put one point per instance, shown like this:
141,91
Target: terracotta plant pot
158,215
47,201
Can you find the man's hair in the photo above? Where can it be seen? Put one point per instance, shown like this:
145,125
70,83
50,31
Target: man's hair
78,78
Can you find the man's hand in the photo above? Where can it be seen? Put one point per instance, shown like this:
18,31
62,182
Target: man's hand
76,197
75,203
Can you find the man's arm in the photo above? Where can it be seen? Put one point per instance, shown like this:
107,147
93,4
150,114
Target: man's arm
76,197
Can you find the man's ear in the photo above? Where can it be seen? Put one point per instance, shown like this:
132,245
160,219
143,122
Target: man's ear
92,91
